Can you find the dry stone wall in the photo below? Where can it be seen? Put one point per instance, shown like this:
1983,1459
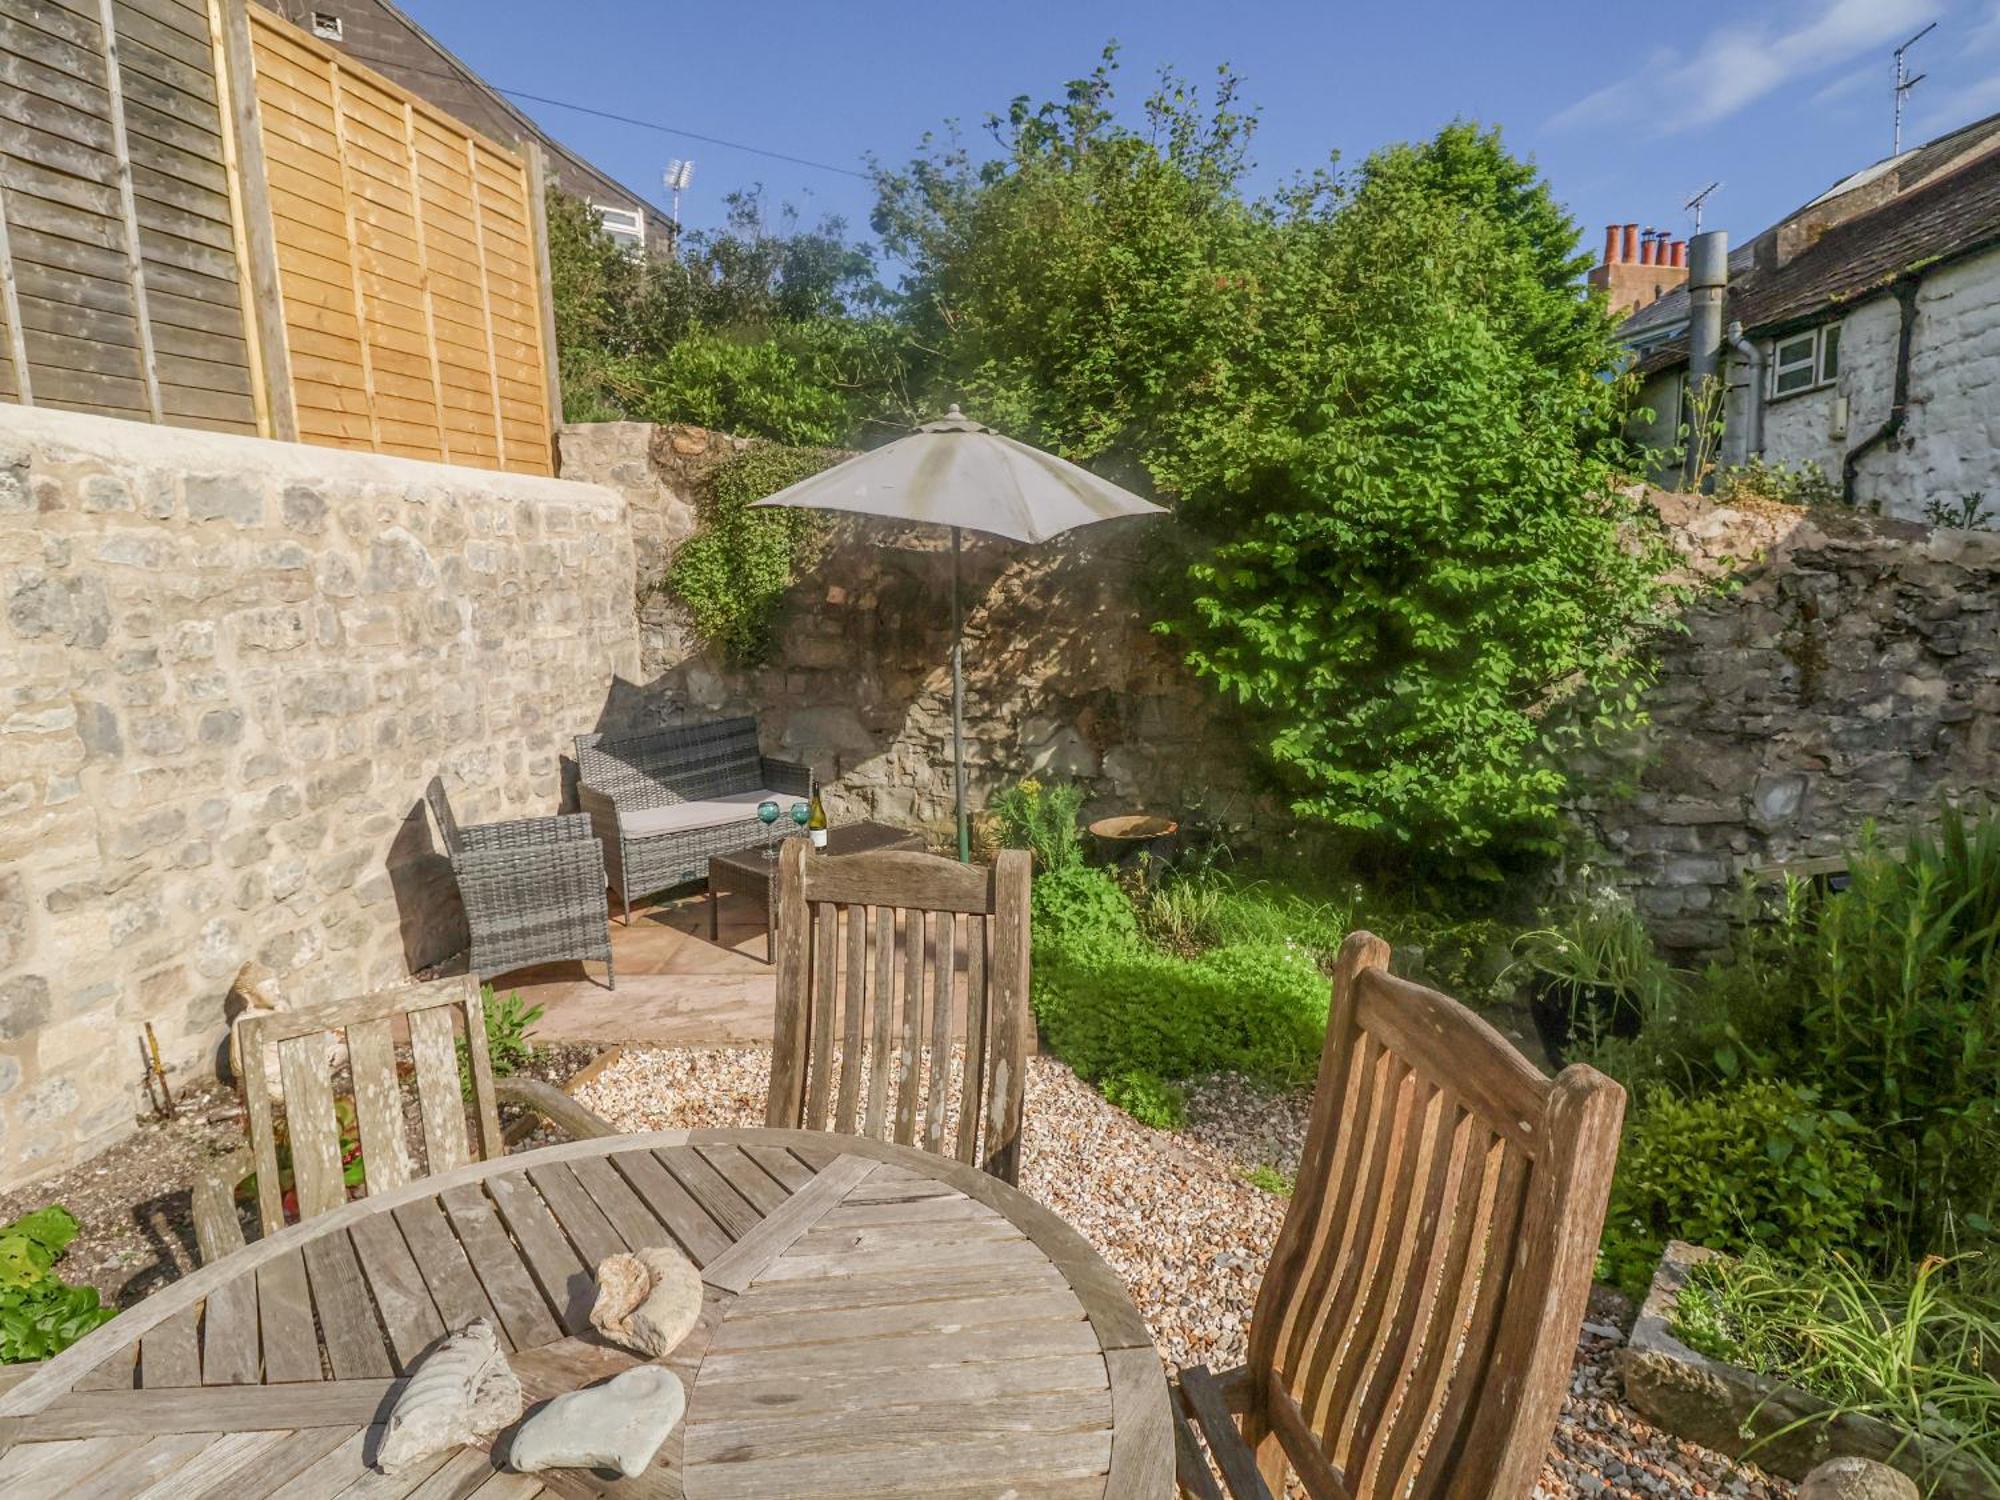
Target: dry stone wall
1847,670
228,668
1064,676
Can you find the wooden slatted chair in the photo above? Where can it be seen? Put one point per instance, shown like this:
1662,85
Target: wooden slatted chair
856,932
1418,1318
296,1042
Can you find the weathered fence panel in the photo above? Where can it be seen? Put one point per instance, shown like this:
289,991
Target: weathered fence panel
119,285
209,218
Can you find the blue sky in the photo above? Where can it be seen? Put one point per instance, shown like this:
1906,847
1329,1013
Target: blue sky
1626,107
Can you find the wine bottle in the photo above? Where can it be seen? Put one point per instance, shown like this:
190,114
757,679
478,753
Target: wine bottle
816,822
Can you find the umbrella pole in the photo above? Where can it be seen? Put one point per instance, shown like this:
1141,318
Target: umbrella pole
958,706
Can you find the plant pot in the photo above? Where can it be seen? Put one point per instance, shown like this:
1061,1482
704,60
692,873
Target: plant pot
1128,835
1775,1426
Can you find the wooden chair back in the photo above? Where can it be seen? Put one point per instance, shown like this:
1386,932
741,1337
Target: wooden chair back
1417,1322
296,1041
869,950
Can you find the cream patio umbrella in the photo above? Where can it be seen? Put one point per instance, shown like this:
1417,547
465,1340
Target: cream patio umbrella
960,473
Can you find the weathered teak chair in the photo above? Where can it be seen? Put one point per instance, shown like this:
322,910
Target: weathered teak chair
1417,1321
857,932
533,889
297,1042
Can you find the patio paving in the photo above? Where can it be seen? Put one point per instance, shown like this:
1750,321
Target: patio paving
675,987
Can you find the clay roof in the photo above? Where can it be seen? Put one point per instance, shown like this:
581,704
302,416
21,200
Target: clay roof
1953,215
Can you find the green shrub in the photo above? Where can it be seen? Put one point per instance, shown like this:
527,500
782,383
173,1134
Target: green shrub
509,1024
1913,1351
1081,908
732,574
1756,1165
1148,1098
41,1314
1114,1012
1041,819
1901,1026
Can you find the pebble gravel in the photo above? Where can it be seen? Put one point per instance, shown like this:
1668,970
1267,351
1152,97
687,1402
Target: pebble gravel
1175,1215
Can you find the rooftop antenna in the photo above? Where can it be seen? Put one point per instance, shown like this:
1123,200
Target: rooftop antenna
1905,82
1693,205
679,174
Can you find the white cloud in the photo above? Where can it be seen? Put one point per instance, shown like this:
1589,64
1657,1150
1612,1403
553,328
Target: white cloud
1740,62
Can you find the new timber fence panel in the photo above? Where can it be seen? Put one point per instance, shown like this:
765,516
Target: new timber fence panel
408,265
119,284
209,218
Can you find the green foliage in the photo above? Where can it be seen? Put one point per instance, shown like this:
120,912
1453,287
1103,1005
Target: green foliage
509,1024
1041,819
1118,1012
733,573
1077,291
1901,1026
1754,1165
1270,1180
1419,549
40,1314
1148,1098
1786,484
758,329
1915,1352
1081,908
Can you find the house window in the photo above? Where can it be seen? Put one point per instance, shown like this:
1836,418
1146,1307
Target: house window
326,26
1805,361
625,225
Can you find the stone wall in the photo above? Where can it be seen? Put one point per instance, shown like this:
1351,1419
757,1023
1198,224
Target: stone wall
1851,672
228,668
1063,674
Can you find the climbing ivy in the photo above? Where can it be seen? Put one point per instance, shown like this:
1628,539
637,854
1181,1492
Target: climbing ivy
732,574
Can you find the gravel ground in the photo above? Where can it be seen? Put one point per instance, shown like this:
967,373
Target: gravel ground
1122,1185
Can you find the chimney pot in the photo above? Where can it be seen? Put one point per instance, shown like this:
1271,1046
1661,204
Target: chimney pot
1680,255
1631,243
1611,244
1646,247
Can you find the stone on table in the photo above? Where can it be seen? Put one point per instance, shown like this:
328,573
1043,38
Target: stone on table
648,1300
461,1391
618,1425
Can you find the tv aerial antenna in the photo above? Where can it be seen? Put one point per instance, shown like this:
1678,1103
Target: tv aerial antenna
1694,203
1905,81
679,174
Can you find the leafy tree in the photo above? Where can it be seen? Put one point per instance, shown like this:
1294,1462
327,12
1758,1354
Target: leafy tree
1077,286
1418,550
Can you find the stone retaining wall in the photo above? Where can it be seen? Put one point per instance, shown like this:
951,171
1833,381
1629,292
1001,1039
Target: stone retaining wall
1064,676
228,668
1849,670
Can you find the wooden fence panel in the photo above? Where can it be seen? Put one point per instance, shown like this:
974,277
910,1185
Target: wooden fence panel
212,219
119,284
408,266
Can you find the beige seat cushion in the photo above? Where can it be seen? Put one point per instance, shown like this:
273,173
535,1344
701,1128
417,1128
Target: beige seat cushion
709,812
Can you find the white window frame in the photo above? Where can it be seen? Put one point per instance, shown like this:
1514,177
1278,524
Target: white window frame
626,225
1811,350
325,25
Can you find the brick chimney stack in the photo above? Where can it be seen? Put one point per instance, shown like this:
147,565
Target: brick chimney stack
1639,267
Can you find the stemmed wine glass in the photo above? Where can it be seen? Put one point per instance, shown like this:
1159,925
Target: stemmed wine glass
801,815
767,814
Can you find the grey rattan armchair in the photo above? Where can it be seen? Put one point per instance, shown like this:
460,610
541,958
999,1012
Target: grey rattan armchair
662,803
533,889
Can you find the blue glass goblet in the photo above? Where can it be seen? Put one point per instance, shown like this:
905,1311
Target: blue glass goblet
767,814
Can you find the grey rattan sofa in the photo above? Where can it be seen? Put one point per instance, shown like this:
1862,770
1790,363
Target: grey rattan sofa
662,803
533,889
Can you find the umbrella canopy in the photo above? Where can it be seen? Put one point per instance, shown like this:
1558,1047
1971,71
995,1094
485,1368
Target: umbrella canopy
960,473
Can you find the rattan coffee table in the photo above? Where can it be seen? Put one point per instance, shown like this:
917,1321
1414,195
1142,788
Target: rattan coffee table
748,873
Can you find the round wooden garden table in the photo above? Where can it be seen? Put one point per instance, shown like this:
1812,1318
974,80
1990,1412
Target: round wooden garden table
878,1322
